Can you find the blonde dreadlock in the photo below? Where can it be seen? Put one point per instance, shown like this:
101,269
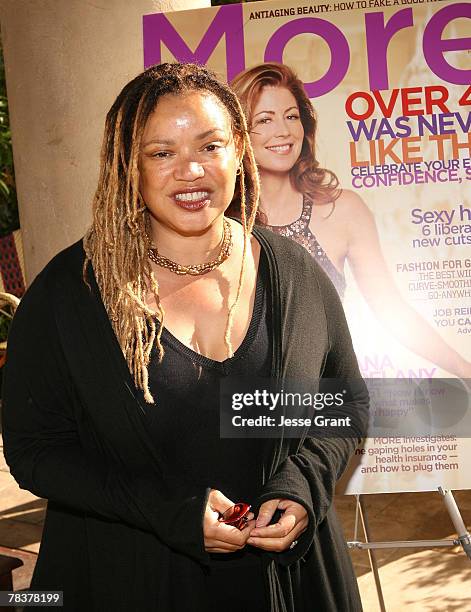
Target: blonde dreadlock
116,243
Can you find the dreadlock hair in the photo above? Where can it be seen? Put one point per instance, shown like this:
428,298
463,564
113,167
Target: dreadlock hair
307,176
117,242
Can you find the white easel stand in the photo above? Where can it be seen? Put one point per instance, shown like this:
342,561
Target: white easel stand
463,539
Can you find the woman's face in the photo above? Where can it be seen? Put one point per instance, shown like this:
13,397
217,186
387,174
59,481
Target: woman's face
188,162
276,131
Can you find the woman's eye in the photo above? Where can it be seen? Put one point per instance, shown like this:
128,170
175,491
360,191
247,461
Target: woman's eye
293,117
161,154
212,147
262,121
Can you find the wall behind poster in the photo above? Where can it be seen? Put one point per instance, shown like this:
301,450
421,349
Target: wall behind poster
390,84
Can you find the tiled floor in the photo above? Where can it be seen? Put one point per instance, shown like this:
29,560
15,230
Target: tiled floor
413,580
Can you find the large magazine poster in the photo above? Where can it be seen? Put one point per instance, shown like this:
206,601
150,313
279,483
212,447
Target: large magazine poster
389,82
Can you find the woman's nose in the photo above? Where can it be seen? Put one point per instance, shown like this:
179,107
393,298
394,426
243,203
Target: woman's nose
188,170
281,128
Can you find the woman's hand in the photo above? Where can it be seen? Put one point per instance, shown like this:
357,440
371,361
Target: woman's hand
280,536
219,537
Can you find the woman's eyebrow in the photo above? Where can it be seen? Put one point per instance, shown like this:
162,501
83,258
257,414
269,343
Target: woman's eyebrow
264,111
208,133
168,141
273,112
163,141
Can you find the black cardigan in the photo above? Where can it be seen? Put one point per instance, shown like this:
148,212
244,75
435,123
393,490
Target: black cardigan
118,534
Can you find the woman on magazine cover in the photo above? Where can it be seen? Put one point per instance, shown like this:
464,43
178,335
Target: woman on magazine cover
115,356
303,201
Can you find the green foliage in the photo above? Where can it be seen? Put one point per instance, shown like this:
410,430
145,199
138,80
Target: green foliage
9,220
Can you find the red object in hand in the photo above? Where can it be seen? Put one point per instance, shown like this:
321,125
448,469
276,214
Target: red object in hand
236,515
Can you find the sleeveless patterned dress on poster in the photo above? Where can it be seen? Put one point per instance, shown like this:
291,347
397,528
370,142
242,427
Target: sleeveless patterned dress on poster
299,230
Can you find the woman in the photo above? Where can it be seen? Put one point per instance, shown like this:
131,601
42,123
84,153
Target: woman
117,424
303,201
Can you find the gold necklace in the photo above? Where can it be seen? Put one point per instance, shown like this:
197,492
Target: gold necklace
196,269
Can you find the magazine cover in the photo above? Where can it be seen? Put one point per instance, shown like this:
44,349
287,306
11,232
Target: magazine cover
388,216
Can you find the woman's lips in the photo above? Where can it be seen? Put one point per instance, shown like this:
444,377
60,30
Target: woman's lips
192,200
192,205
280,149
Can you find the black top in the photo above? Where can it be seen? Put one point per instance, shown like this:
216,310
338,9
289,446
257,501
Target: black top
184,424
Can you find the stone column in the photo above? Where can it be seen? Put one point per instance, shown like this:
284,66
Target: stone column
65,63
